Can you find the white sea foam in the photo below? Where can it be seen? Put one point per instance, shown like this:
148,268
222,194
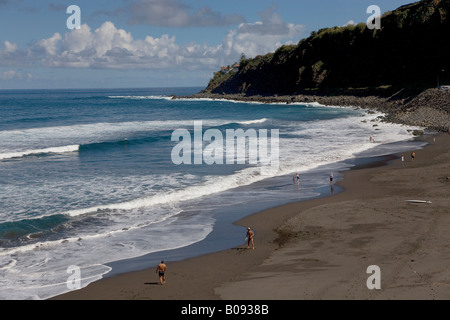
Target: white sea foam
215,100
314,146
253,121
151,97
60,139
63,149
212,186
300,154
30,275
113,232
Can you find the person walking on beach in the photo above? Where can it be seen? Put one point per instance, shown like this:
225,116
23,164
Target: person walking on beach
161,269
413,156
250,236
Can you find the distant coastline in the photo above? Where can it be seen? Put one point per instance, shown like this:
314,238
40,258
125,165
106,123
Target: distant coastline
392,69
429,109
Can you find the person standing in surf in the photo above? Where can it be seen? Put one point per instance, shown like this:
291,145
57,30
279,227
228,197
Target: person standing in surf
250,236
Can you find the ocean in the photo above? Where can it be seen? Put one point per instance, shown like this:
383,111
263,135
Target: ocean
88,177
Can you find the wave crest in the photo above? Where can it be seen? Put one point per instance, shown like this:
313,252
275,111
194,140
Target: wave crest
21,154
142,97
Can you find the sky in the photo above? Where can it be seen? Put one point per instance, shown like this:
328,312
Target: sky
153,43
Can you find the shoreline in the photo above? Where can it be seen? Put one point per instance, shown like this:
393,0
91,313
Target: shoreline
429,109
282,238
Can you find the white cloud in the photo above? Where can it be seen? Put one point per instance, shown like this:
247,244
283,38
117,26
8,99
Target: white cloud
114,48
12,56
50,45
10,47
349,23
79,40
252,40
262,36
7,75
12,74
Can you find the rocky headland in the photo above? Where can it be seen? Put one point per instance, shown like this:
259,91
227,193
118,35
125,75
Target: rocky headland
392,69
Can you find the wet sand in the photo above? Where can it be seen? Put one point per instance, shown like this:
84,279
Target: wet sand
321,248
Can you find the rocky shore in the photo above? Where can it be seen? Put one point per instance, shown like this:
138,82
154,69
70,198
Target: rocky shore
430,109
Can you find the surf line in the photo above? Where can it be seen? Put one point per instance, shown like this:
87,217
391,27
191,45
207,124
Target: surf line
52,150
231,150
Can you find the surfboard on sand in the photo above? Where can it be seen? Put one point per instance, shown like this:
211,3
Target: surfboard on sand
418,201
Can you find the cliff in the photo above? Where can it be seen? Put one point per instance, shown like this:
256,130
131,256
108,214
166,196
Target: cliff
409,52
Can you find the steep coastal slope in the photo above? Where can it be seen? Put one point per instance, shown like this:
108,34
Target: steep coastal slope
395,69
409,51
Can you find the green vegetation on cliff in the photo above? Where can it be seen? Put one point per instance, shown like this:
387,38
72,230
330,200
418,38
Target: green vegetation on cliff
409,51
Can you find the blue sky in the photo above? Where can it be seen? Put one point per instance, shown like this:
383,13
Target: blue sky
153,43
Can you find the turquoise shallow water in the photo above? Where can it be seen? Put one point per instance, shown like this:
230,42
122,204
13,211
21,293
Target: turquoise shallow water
88,177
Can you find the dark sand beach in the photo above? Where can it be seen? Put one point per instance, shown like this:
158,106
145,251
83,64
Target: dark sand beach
321,248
